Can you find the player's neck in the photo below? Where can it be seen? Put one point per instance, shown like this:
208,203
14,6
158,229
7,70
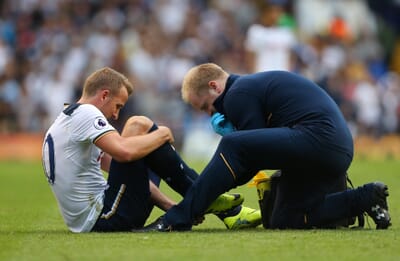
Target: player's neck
88,100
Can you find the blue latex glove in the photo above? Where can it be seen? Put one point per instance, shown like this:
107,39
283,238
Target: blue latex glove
221,125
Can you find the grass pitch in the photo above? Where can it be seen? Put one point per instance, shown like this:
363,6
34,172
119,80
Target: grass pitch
31,228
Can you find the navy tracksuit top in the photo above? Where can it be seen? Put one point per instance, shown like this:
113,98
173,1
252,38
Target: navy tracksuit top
276,99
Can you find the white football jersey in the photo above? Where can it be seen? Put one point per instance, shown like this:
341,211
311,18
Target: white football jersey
271,45
71,162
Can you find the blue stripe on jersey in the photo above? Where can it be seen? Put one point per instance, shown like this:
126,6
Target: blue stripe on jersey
50,144
71,108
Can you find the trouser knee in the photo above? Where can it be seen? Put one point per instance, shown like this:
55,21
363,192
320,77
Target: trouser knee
229,150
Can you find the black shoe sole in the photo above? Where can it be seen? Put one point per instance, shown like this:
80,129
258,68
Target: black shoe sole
382,191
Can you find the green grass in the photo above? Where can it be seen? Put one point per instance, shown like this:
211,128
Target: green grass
31,228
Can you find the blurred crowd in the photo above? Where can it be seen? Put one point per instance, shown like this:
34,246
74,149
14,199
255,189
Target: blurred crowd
48,48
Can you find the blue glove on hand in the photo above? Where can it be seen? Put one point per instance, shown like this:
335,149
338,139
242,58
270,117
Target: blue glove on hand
221,125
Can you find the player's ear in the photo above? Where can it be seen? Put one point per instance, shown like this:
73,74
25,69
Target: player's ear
104,94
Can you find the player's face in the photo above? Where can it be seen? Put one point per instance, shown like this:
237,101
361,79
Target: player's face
113,104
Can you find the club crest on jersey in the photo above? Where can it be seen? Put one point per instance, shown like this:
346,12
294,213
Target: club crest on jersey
99,123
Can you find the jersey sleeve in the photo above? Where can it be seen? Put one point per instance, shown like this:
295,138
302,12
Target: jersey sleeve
89,124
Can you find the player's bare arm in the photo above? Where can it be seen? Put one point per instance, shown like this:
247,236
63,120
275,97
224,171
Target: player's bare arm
125,149
139,126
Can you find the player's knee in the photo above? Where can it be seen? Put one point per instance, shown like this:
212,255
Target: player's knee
142,123
137,125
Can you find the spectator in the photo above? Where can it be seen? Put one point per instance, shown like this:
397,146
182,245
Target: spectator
269,45
154,42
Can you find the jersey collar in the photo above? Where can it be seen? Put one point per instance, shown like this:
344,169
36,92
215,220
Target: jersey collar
71,108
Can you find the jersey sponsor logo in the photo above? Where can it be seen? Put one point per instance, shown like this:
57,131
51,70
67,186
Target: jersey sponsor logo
100,123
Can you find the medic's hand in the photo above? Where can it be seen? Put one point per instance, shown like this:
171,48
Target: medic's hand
221,125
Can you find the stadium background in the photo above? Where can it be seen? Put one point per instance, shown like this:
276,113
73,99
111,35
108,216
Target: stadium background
48,47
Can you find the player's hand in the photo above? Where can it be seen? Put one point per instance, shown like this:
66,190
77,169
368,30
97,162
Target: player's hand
167,133
221,125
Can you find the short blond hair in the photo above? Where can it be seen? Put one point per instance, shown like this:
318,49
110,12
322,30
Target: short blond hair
106,78
197,78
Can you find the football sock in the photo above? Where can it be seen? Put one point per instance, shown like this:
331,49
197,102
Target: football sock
168,165
154,178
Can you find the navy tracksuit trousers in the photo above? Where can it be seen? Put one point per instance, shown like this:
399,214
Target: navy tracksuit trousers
311,174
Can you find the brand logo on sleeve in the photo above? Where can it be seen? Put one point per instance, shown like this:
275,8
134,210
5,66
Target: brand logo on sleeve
100,123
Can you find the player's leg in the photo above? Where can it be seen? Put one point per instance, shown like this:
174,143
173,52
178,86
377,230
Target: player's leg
126,202
164,161
156,181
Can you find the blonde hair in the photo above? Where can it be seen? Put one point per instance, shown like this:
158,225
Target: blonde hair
196,79
106,78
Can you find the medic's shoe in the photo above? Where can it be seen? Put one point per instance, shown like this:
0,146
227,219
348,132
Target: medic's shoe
225,202
246,218
379,211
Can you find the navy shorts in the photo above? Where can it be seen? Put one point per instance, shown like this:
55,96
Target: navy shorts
127,199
